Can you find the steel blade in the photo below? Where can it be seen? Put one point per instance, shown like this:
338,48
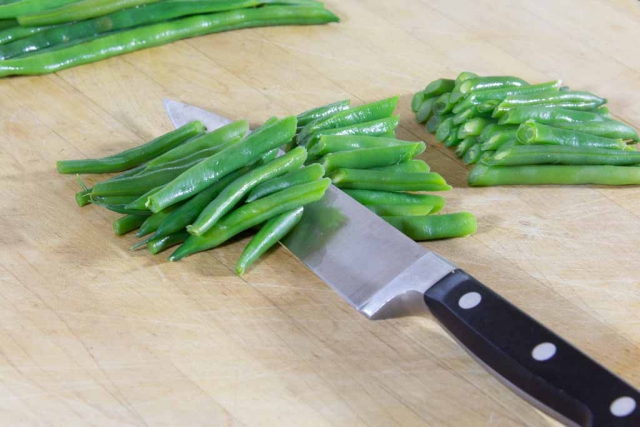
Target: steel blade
373,266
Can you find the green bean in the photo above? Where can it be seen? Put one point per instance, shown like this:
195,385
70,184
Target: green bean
161,243
453,139
140,202
322,112
483,96
607,128
531,132
139,184
498,139
486,156
234,192
364,113
128,173
488,106
550,97
443,104
558,154
9,35
432,90
83,197
410,166
153,222
486,83
369,197
187,213
388,181
462,77
546,115
372,128
215,167
109,203
134,156
300,176
78,11
472,155
8,23
127,223
17,8
334,144
473,127
603,111
432,227
269,155
253,214
400,210
444,129
366,158
482,175
215,139
494,129
425,111
270,233
158,34
434,122
465,145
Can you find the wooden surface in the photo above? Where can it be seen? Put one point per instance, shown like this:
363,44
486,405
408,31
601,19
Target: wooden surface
92,334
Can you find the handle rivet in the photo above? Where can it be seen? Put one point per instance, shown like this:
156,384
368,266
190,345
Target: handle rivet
543,351
469,300
622,406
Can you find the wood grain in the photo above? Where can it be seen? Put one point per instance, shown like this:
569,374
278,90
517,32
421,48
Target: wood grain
92,334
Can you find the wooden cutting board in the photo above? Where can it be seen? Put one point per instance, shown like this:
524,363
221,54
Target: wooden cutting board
93,334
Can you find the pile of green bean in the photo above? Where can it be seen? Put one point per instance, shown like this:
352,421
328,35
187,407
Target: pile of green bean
199,189
39,37
518,133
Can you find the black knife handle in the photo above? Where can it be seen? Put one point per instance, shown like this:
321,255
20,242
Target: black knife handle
530,356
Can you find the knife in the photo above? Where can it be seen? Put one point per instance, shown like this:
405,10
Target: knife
384,274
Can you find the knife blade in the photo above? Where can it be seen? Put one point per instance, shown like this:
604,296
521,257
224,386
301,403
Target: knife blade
384,274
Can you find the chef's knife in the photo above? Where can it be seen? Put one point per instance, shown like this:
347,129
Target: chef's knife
384,274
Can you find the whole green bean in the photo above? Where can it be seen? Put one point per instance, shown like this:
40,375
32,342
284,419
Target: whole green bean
135,156
473,127
483,96
494,129
301,176
498,139
550,97
432,227
139,184
334,144
234,192
400,210
546,115
607,128
444,129
557,154
127,223
482,175
443,104
425,111
162,33
141,202
388,181
270,234
373,128
253,214
366,158
215,167
364,113
472,155
161,243
153,222
369,197
187,213
217,138
17,8
465,145
531,132
78,11
410,166
322,112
